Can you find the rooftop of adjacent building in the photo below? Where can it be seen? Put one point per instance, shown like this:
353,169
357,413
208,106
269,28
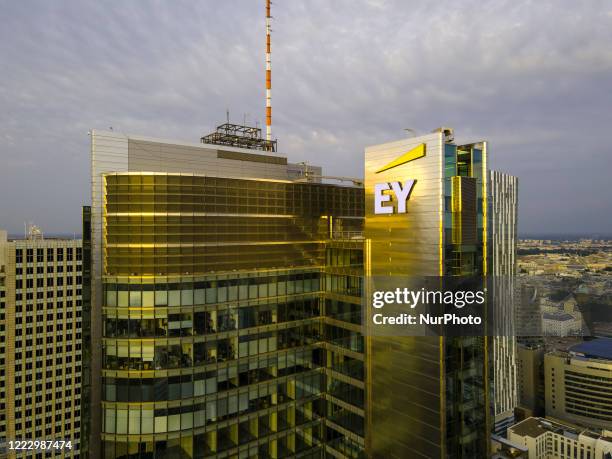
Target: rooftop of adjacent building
600,348
535,427
32,234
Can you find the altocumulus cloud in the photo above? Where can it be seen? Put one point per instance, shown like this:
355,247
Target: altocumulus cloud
534,78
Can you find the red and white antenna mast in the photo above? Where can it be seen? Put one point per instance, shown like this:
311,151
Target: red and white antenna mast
268,75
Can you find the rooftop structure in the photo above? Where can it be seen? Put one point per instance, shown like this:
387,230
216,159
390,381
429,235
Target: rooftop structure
238,135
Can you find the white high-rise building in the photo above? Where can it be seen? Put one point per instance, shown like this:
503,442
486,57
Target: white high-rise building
503,204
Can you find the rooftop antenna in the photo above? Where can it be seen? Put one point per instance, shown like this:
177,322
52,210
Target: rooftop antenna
227,115
411,131
268,75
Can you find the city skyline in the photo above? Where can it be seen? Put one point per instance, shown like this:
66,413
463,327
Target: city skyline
410,258
534,81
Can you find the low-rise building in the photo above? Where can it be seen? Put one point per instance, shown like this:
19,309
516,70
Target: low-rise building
547,439
578,382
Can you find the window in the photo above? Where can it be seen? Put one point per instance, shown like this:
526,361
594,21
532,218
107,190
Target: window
40,255
19,256
49,255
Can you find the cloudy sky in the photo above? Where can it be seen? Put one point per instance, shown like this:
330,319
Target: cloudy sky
532,77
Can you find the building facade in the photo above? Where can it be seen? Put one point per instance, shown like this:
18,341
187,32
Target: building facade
40,324
578,384
225,305
417,385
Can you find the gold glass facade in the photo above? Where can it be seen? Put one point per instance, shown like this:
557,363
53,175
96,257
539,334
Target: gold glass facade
230,318
427,396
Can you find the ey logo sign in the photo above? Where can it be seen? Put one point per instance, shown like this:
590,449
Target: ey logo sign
401,191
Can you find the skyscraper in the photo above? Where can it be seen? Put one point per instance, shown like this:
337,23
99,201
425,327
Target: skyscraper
225,302
502,214
40,332
432,396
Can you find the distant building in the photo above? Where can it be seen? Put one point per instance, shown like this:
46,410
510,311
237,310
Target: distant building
552,440
560,323
40,339
569,304
578,384
602,329
527,312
